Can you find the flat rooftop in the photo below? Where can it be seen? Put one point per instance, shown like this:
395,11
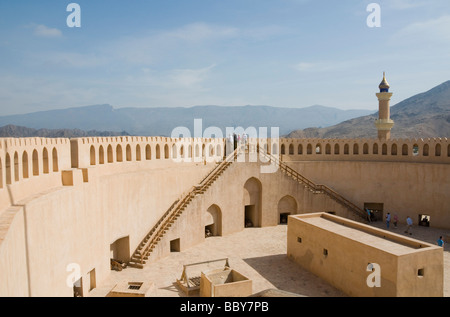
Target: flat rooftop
374,237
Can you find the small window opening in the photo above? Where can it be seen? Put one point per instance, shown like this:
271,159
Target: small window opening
420,272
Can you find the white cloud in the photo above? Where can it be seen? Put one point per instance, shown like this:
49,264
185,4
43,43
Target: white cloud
45,31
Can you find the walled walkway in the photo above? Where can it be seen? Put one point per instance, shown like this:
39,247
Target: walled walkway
259,254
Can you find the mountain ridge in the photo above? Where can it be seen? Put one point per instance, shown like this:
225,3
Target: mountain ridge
424,115
159,121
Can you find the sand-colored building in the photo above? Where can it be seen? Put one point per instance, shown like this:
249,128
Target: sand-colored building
69,206
365,261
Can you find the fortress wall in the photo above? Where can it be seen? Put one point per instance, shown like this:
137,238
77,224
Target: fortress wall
110,199
74,226
435,150
30,165
228,195
404,188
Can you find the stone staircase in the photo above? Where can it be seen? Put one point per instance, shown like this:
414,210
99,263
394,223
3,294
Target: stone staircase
148,244
314,188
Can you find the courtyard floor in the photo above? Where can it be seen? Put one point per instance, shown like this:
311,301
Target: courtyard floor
259,254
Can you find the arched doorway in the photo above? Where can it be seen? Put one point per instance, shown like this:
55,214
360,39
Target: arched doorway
252,203
213,221
286,206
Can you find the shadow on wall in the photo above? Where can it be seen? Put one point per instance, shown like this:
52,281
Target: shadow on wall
286,275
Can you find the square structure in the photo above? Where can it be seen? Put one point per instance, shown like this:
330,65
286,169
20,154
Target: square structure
224,283
364,261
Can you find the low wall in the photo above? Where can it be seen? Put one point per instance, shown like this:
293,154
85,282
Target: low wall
401,266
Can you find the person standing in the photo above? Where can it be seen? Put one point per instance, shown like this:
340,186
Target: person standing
395,221
409,224
369,216
388,219
440,242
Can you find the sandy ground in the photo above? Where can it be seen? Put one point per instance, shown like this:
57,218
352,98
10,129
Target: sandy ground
259,254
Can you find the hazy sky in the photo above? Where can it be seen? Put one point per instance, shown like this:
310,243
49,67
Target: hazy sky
158,53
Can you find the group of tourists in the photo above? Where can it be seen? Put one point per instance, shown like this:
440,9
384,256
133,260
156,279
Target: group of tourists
237,139
409,224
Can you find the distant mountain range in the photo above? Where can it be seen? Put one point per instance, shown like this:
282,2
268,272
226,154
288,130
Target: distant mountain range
161,121
13,131
425,115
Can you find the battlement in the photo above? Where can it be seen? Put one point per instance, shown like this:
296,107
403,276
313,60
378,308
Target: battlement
432,150
24,160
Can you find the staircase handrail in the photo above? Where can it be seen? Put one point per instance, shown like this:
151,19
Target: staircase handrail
173,211
323,188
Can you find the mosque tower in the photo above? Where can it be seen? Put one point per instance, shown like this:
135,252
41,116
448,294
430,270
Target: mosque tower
384,123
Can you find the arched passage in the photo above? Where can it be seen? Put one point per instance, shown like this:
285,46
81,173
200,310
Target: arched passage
286,206
213,221
252,203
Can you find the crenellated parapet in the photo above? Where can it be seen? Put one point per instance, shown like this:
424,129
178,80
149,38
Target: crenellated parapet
25,158
31,164
431,150
107,150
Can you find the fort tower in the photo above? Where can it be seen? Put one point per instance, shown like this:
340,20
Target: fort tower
384,123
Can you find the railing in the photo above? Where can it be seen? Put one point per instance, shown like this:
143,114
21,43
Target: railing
314,187
177,207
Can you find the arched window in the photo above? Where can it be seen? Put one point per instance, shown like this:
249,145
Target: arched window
101,155
119,155
415,150
366,148
35,163
16,167
138,153
282,149
448,150
426,149
328,149
291,149
166,151
110,154
8,169
158,152
174,151
437,150
182,151
300,149
25,164
336,149
405,150
309,149
394,149
384,149
346,149
318,149
128,152
355,149
375,148
45,161
92,155
55,159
